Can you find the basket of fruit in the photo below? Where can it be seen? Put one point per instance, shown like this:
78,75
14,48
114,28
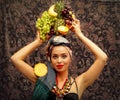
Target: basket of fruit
55,21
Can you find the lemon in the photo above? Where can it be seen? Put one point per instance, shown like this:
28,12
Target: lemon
40,69
63,29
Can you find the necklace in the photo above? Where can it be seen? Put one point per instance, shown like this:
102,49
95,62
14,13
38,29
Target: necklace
64,90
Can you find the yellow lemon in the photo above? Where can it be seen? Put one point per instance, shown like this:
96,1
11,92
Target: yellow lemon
40,69
51,11
63,29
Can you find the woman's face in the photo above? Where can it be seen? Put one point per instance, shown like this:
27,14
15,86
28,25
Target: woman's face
60,58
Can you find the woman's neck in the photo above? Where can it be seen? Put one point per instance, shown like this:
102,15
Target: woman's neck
61,78
62,75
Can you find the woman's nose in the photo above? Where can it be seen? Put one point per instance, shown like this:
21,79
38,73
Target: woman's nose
59,59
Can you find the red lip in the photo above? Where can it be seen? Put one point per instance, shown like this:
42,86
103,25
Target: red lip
59,66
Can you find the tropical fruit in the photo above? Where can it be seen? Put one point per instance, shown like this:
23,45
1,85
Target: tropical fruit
40,69
51,11
63,29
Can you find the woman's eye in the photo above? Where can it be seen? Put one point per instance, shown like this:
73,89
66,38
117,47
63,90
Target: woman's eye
64,56
55,56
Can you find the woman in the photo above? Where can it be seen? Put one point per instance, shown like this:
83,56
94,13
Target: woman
57,82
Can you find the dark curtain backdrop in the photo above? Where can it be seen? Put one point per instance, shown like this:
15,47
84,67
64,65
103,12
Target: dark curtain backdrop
100,21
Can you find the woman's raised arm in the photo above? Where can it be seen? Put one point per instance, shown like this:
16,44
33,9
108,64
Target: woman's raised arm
100,57
18,58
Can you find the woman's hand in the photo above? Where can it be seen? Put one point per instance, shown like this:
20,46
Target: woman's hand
38,39
41,40
76,27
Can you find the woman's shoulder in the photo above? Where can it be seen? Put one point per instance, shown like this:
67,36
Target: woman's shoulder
80,80
78,85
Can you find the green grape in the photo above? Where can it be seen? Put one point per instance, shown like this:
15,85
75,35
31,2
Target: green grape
44,24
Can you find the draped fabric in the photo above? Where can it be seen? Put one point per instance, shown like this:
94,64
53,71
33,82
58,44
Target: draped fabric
100,21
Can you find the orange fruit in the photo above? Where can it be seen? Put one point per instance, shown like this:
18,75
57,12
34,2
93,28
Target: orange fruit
63,29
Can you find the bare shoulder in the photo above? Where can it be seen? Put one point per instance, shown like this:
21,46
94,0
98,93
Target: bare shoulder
81,82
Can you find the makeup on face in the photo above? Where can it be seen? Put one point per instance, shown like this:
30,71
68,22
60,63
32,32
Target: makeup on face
60,58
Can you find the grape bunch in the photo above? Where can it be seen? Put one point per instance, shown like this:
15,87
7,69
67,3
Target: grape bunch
67,15
50,25
52,32
59,22
54,29
44,24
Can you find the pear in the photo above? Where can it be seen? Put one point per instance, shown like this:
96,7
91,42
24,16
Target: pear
51,11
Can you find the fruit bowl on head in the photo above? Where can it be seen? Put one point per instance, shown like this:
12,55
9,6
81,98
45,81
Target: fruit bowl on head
57,20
